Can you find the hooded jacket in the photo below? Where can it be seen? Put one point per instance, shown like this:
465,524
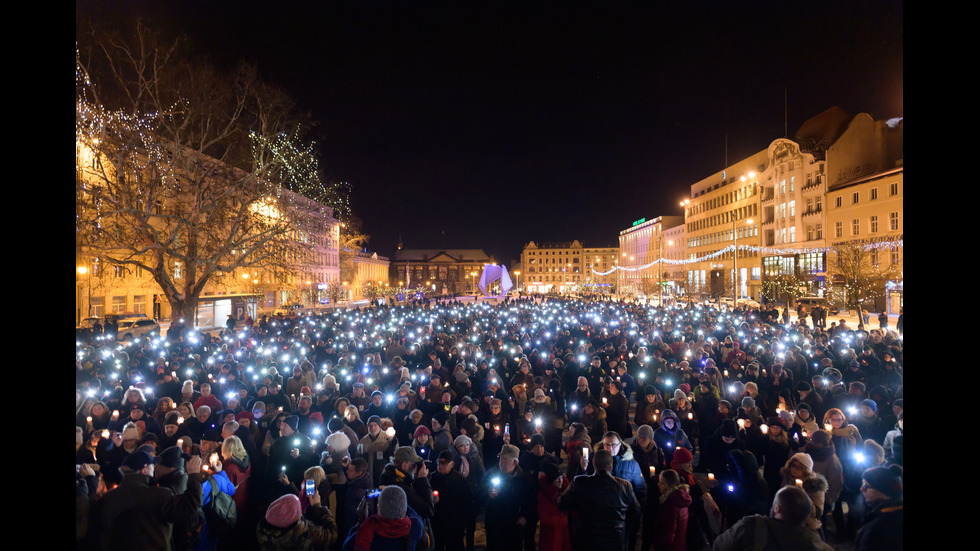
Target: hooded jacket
669,440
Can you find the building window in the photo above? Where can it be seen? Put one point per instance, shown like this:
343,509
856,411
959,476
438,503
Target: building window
139,304
819,231
874,257
118,271
819,202
855,197
119,304
792,234
893,221
874,224
855,226
792,208
873,194
98,306
895,256
893,189
838,201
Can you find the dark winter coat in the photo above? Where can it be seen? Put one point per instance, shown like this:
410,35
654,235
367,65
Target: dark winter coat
137,515
315,531
601,503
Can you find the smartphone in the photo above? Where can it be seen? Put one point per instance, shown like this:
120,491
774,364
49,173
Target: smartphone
310,487
372,502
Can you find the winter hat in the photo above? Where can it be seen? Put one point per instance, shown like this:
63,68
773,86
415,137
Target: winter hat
422,429
887,480
462,440
406,453
728,428
335,424
551,470
646,431
130,432
286,511
871,404
393,503
316,418
245,415
338,441
374,419
137,460
212,435
536,440
681,455
509,451
188,388
803,458
803,386
685,388
171,457
748,402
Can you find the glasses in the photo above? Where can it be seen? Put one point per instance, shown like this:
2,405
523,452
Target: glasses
837,419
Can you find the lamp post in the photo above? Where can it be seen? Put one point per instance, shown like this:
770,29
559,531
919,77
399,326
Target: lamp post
518,274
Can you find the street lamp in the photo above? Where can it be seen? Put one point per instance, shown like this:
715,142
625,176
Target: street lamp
518,274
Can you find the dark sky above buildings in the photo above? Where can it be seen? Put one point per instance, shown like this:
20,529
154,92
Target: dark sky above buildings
471,124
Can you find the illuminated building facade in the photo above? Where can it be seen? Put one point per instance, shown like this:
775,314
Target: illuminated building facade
642,244
724,210
567,267
450,271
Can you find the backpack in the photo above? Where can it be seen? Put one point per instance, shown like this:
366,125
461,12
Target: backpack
220,512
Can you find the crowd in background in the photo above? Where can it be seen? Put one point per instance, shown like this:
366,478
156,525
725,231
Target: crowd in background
559,423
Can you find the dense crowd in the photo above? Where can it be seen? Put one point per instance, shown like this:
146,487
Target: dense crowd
562,424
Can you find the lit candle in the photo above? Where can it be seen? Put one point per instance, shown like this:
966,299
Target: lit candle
653,470
799,482
741,423
711,476
764,428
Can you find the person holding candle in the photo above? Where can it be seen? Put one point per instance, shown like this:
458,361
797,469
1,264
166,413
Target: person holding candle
798,471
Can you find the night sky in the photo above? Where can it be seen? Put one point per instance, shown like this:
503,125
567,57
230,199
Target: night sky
488,124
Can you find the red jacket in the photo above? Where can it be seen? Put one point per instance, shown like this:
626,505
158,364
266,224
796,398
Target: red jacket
671,532
554,534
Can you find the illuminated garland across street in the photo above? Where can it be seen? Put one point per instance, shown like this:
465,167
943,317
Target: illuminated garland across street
881,245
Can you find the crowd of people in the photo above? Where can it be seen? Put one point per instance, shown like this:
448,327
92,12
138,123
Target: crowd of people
560,423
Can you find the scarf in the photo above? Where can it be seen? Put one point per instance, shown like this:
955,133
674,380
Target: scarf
382,527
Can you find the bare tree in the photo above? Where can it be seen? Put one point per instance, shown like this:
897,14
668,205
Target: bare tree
185,172
857,272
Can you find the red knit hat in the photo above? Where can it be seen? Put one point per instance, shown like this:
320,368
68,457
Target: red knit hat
681,456
284,511
422,429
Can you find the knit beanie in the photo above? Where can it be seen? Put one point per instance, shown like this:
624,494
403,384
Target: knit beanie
374,419
646,431
285,511
422,429
804,459
681,455
338,441
748,402
887,480
335,424
393,503
871,404
292,421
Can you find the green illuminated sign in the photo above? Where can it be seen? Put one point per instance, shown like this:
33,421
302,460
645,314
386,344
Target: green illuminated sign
640,221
